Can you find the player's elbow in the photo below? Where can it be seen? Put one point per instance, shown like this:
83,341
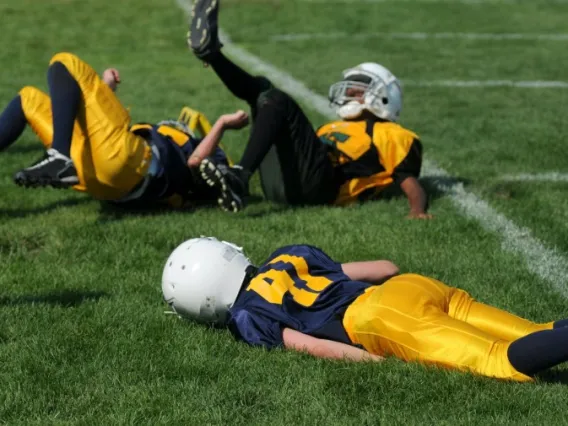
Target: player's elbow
391,268
388,269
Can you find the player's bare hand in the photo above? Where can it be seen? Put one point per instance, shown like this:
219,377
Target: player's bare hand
111,77
416,215
236,120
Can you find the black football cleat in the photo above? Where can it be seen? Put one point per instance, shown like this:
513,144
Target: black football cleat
228,181
203,36
54,169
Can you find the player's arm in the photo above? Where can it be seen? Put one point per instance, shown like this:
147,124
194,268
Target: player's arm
406,175
207,146
417,198
374,271
322,348
111,77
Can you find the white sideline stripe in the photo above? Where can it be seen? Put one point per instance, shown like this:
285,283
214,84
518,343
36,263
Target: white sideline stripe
536,177
488,83
291,37
473,2
544,262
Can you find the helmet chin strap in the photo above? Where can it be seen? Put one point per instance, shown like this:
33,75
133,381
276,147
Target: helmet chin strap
350,110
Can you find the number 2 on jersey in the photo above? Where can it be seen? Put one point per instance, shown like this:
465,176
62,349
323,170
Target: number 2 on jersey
333,138
273,284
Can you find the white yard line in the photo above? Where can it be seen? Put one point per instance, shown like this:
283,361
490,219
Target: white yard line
536,177
546,263
488,83
291,37
469,2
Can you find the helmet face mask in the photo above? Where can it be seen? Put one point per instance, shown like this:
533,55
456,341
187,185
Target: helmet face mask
346,91
367,87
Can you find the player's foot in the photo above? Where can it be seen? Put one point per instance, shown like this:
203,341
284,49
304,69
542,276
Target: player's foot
229,181
203,37
54,169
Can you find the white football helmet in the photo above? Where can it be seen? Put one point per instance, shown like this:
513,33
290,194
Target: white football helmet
202,279
370,87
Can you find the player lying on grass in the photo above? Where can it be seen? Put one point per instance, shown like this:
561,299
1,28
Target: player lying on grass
301,299
92,147
339,163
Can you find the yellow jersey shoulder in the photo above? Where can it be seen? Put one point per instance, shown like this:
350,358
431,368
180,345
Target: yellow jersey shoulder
350,128
354,128
355,138
394,132
178,136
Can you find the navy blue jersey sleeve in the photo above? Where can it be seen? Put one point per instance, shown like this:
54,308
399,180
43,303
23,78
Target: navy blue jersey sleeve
316,258
255,329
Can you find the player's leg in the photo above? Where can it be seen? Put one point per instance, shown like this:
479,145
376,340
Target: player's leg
114,160
296,169
241,84
35,106
492,320
293,163
12,123
56,168
203,39
561,323
534,348
539,351
407,317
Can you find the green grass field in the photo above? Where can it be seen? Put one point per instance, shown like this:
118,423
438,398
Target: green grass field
83,335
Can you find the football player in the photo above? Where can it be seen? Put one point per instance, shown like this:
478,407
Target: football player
302,300
91,146
352,159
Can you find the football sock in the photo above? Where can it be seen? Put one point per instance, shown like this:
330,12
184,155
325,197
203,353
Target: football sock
539,351
12,123
561,323
65,100
267,128
241,84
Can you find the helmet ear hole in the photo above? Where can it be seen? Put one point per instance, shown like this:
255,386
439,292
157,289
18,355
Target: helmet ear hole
385,101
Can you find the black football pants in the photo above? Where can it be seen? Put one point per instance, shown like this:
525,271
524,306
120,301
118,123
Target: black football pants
293,164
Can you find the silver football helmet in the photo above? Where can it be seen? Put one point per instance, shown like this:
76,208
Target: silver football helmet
368,86
202,279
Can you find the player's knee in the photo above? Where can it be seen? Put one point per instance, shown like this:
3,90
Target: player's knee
28,92
65,58
32,98
68,60
263,83
274,98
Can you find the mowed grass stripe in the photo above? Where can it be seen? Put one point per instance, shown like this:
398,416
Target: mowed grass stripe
419,36
471,2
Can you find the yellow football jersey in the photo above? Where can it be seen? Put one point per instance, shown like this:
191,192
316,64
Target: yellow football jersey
178,136
366,155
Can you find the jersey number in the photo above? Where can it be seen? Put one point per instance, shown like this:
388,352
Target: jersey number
272,285
333,138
